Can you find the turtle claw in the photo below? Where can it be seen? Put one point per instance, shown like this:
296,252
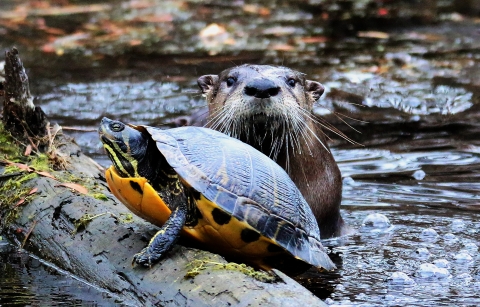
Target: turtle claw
145,258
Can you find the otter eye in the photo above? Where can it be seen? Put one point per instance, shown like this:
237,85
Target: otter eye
291,82
230,81
116,127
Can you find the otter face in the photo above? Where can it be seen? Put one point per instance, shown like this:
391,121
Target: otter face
268,107
259,91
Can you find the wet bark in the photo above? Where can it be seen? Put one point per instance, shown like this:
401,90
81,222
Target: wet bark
100,252
20,116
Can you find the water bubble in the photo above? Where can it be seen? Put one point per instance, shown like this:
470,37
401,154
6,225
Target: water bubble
463,257
442,263
457,225
419,175
429,270
329,301
464,276
400,278
390,297
340,287
376,220
471,247
476,274
422,253
349,181
450,238
429,234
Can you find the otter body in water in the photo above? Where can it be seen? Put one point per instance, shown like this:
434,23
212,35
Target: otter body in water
270,108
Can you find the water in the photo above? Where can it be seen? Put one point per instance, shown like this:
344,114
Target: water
28,281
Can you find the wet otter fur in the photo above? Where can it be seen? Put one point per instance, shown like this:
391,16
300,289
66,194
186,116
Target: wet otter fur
270,108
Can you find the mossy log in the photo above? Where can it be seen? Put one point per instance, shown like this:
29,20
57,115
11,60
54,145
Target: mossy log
94,239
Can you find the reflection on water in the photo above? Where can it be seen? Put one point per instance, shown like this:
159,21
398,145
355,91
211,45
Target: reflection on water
26,281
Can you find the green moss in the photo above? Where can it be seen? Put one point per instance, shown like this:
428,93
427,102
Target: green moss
84,221
125,218
9,146
40,162
100,196
65,176
11,169
13,194
197,265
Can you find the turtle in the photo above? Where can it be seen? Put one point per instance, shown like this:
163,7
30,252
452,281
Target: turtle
211,189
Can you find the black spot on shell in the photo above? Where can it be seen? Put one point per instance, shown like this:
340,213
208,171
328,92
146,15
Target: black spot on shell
136,186
220,217
196,194
273,248
199,214
249,235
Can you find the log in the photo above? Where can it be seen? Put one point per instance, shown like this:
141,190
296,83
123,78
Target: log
93,237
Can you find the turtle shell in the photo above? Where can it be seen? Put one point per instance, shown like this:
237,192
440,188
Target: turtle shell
242,195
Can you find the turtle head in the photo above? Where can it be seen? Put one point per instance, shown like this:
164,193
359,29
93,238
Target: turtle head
128,148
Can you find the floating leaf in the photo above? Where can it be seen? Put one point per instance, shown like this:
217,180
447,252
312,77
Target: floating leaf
212,30
373,34
282,47
314,39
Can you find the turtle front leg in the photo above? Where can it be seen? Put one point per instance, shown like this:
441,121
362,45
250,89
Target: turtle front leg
164,239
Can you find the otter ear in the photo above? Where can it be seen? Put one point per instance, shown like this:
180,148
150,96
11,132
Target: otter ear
207,82
315,89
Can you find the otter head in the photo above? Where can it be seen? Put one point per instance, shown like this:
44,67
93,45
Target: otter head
259,91
262,104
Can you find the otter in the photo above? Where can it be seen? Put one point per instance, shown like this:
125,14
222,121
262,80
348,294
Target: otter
270,108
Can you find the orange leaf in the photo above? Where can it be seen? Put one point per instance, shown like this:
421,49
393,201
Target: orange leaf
135,42
46,174
155,18
74,186
314,39
32,191
282,47
23,166
48,48
382,11
28,150
21,201
373,34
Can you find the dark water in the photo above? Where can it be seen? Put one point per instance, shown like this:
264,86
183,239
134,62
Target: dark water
417,98
28,281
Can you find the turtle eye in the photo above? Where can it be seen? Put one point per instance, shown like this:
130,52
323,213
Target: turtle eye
116,126
291,82
230,81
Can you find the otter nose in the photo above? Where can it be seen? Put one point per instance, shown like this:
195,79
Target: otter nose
262,88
